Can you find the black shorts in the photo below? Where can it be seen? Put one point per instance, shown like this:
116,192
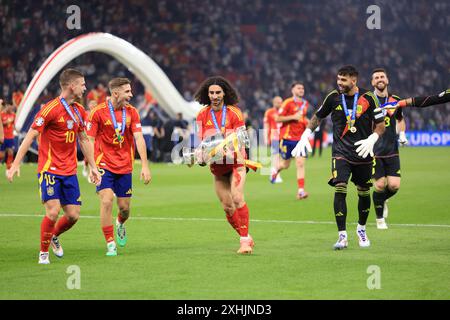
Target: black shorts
383,167
342,169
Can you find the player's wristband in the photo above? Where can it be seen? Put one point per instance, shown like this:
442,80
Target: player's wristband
402,103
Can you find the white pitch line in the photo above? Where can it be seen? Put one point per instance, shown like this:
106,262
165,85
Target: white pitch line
7,215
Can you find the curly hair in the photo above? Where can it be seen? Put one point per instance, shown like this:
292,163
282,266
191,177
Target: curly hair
230,97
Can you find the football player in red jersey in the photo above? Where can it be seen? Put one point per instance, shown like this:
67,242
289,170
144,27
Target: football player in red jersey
113,126
2,134
222,117
57,125
292,115
8,118
272,137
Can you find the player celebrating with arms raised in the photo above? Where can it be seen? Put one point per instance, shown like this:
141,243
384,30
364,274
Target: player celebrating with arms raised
223,117
353,115
114,125
58,124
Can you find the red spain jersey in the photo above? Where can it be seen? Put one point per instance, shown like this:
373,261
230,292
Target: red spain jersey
272,125
293,130
97,95
58,137
234,120
17,97
8,124
108,152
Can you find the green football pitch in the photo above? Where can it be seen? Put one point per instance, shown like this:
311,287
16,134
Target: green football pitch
180,245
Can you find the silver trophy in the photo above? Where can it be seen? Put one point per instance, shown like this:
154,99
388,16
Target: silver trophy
217,149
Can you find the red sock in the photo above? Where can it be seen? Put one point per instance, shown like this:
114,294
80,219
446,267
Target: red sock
234,221
243,220
47,227
109,233
121,219
9,160
63,225
301,183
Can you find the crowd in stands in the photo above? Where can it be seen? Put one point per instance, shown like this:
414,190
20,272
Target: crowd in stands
260,46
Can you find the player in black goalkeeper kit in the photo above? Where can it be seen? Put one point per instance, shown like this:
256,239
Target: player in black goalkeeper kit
356,128
386,173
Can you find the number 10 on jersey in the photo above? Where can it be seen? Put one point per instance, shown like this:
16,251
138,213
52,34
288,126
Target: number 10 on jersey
70,136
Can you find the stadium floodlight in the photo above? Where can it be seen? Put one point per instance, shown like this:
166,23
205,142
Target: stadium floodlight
140,64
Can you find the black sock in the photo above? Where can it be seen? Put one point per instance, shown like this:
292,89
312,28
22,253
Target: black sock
340,207
378,202
389,193
363,206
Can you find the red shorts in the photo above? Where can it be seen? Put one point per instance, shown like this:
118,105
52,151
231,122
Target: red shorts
223,169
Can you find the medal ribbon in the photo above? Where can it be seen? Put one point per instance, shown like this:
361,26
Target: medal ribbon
67,107
303,105
224,118
385,101
119,134
350,118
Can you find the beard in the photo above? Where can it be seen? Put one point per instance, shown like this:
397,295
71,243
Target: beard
345,89
381,86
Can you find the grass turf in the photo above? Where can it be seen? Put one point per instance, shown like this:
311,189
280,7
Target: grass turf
180,245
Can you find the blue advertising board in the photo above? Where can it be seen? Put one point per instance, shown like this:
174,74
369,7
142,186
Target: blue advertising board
428,138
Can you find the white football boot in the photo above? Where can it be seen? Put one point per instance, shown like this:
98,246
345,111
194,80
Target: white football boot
381,224
362,236
56,247
342,242
43,258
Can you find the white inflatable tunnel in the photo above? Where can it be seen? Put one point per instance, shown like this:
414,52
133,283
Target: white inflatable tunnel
141,65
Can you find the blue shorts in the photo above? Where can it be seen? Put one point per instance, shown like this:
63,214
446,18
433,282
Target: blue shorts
64,188
7,144
119,183
286,147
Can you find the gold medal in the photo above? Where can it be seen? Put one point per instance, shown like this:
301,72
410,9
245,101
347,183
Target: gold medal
353,129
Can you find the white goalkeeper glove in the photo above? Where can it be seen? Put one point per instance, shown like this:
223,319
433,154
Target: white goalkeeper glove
303,146
402,138
366,146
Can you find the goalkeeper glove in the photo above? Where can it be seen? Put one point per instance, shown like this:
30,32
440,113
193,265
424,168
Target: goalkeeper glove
402,138
366,146
303,146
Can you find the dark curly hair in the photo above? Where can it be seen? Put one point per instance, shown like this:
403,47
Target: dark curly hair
230,97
